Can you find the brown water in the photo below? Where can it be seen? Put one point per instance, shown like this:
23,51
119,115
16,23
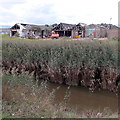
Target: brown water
82,98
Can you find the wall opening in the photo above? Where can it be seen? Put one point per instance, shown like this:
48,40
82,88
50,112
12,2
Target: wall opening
13,33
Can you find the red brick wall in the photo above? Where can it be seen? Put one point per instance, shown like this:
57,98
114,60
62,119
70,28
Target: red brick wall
112,33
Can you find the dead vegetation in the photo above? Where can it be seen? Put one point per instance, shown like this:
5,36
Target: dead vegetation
93,78
23,99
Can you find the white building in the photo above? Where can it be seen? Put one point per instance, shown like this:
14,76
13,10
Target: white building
19,28
25,30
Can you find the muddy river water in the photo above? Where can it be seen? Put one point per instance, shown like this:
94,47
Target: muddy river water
82,98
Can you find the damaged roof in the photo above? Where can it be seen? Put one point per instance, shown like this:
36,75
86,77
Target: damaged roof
29,26
103,25
109,26
65,26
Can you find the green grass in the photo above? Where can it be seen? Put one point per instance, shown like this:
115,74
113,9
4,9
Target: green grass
7,37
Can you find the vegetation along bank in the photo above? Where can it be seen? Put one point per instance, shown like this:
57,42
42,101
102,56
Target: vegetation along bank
92,64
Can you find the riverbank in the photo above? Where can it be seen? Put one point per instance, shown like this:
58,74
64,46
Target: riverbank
23,99
92,64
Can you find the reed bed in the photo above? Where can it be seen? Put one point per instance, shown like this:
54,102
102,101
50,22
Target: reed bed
91,64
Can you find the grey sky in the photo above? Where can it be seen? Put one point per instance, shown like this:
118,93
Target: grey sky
56,11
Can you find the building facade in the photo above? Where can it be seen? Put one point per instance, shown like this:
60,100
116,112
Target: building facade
30,31
95,31
69,30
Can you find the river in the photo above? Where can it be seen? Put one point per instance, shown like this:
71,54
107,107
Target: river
82,98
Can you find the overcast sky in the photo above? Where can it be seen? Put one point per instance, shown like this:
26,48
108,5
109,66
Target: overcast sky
56,11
